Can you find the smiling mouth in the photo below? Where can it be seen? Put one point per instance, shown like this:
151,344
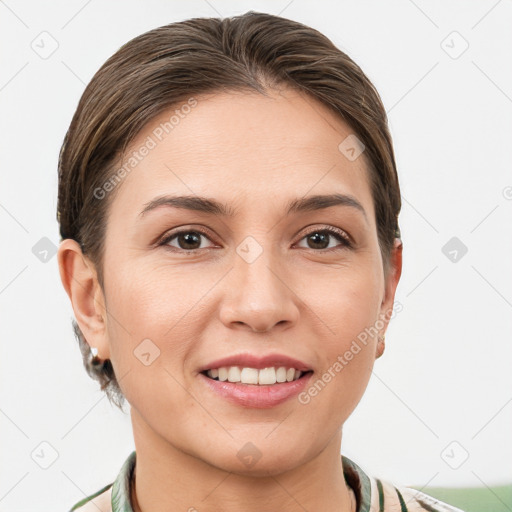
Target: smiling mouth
252,376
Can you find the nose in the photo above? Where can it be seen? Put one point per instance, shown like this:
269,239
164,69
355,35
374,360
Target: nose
258,296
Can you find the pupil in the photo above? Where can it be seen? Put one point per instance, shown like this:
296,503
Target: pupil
321,238
190,238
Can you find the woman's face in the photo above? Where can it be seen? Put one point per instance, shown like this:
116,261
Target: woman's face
258,279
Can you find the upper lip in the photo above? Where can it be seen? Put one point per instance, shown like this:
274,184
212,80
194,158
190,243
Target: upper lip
258,362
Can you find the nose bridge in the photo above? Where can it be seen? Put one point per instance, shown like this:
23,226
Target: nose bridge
257,294
255,269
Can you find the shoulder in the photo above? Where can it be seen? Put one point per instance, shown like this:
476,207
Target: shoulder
404,498
98,502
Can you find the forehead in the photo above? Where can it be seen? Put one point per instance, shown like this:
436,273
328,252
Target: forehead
242,146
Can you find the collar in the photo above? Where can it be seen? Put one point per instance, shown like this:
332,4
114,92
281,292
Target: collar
355,477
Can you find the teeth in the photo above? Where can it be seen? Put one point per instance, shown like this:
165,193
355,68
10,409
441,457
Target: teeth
265,376
249,376
281,374
234,374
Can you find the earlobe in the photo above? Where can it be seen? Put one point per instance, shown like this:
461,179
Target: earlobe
79,278
381,345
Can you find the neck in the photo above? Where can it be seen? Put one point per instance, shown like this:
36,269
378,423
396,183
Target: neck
167,478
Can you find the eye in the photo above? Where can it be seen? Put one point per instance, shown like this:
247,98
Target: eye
188,240
321,238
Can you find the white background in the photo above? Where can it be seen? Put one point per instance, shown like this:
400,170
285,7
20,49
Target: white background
446,373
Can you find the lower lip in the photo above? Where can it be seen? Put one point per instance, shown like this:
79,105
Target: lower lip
260,397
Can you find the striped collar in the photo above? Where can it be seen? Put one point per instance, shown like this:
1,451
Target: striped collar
355,477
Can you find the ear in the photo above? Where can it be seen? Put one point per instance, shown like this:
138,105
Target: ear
392,278
80,281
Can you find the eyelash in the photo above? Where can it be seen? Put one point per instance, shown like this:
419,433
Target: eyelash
337,233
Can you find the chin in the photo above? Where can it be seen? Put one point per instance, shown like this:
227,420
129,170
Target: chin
257,459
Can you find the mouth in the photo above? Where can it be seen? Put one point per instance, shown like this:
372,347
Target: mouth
256,377
255,388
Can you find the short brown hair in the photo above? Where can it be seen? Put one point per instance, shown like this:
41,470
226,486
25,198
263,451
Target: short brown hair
164,66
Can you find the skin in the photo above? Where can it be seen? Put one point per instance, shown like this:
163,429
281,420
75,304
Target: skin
254,153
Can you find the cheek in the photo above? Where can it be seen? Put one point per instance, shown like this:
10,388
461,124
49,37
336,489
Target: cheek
348,316
346,304
144,312
347,356
156,317
144,307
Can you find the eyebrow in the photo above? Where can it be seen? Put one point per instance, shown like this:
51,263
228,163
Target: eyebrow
213,207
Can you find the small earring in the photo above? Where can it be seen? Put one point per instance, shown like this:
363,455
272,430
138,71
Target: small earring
95,360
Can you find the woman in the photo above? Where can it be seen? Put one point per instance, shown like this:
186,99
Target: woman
228,205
